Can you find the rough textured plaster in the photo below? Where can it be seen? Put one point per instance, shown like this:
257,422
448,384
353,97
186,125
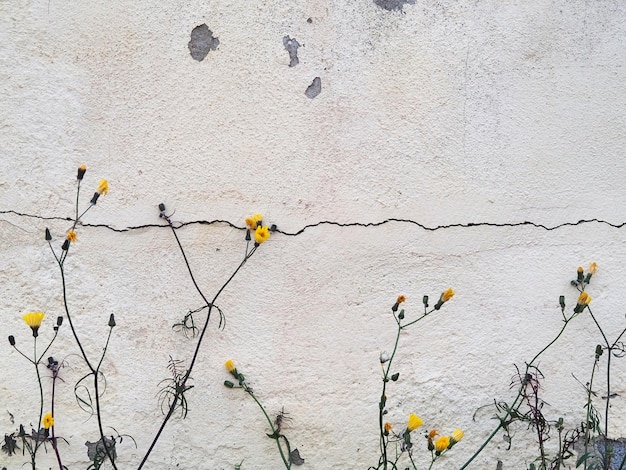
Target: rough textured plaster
455,144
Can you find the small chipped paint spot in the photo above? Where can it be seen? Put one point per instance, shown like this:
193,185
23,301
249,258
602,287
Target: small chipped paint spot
291,45
202,41
314,89
390,5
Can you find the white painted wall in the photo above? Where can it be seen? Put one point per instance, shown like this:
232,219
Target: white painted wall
441,114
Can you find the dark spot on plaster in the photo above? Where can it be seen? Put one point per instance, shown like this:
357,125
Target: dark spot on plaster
291,45
202,41
310,20
393,4
315,88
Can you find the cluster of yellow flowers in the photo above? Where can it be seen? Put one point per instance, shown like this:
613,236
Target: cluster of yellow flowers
255,225
443,443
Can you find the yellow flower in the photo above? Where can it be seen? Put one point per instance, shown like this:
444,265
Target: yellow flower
253,222
414,422
401,299
48,421
103,187
579,270
230,365
447,295
583,299
34,319
456,436
388,427
442,444
593,268
261,234
71,236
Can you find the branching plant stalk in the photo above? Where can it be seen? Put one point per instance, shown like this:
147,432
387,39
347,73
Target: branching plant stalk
518,399
274,433
209,306
93,371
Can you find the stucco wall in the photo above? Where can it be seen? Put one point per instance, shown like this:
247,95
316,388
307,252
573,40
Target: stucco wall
464,144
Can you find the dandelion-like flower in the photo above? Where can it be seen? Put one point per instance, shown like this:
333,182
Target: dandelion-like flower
71,236
253,222
414,422
456,436
442,444
401,299
230,366
447,295
34,319
583,299
103,187
261,234
47,421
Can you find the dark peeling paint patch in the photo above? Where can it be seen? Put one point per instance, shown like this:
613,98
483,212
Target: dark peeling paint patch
291,45
393,4
202,41
315,88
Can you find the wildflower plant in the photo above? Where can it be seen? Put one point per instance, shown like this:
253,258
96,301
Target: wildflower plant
394,445
591,435
172,394
287,455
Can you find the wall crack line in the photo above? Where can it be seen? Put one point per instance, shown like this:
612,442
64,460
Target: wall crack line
329,222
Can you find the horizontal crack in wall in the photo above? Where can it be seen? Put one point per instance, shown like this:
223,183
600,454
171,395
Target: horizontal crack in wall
330,222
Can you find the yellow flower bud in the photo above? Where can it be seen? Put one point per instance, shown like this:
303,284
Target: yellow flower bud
103,187
230,365
583,299
447,295
456,436
71,236
388,427
593,268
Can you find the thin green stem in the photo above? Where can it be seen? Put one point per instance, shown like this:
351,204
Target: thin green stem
40,395
271,424
517,401
589,408
210,305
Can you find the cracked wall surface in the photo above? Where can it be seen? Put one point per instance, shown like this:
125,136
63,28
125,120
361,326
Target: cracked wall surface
463,144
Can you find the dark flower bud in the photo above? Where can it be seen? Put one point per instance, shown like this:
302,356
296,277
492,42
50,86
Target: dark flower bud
51,360
587,278
579,274
273,228
248,237
59,321
425,300
112,320
48,236
395,376
229,384
12,340
81,172
94,199
162,207
562,301
66,245
598,351
395,307
401,314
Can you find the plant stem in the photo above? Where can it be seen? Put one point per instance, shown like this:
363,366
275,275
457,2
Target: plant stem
516,404
200,338
269,421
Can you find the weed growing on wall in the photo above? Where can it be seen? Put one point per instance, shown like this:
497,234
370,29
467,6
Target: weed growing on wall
287,455
589,441
394,446
90,387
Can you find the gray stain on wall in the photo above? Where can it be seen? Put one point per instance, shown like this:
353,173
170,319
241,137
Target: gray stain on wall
315,88
291,45
393,4
202,41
